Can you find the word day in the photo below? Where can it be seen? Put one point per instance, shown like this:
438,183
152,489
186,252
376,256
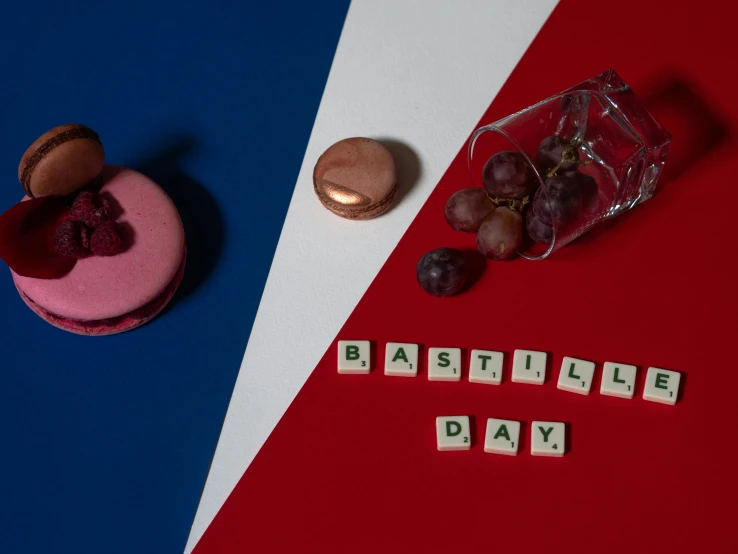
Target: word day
547,438
529,366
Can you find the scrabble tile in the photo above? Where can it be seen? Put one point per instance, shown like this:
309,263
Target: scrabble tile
529,366
401,359
444,364
502,437
547,438
353,356
618,380
661,385
576,375
485,366
453,433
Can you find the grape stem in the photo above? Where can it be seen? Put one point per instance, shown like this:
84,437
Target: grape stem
511,202
568,155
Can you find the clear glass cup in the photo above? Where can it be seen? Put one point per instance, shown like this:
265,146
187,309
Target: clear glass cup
617,141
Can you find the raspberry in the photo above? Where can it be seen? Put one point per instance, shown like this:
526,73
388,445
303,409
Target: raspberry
72,240
88,209
106,239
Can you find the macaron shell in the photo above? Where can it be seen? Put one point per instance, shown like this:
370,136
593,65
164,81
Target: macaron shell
356,178
65,167
113,326
370,212
108,287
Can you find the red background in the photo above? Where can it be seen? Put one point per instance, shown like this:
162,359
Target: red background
353,466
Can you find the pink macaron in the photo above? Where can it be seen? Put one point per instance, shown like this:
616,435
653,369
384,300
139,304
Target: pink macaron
103,295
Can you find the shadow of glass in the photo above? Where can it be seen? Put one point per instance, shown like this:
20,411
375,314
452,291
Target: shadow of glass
696,127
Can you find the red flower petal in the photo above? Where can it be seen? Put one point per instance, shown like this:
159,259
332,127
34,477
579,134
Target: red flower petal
27,238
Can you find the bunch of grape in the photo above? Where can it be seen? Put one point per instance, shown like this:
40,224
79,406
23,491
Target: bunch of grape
510,205
511,188
495,212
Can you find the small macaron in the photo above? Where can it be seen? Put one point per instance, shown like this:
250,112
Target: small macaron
61,161
356,178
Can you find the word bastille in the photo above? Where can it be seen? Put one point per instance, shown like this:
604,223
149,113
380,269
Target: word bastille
529,366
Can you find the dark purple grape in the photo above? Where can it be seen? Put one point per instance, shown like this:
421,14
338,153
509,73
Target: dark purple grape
500,235
443,272
559,199
587,187
550,153
538,228
467,208
509,175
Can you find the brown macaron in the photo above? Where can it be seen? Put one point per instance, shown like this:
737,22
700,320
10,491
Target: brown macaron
61,161
356,178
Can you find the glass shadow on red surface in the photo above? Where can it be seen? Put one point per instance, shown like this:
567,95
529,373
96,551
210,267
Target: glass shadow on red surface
697,129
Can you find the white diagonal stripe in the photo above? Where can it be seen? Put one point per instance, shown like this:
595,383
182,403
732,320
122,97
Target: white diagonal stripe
419,73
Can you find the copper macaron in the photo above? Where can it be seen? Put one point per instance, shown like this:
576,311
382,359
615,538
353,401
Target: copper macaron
356,178
61,161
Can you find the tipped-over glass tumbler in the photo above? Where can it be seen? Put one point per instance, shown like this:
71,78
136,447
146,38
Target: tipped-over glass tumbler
595,150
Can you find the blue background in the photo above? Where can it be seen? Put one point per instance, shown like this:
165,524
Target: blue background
106,442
